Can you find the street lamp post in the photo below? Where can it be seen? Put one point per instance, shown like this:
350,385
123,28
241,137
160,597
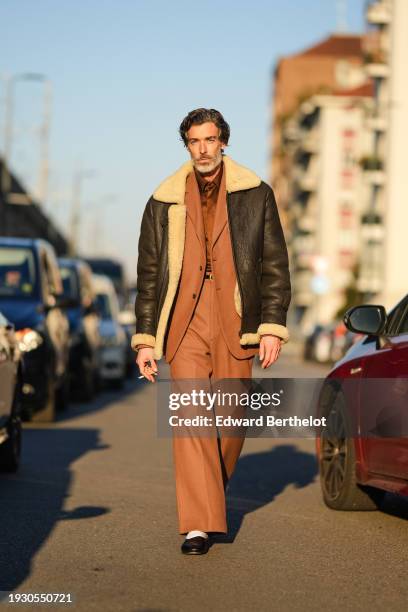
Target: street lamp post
45,139
10,82
99,207
79,176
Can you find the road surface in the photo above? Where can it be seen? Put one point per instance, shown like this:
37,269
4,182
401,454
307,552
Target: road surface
92,512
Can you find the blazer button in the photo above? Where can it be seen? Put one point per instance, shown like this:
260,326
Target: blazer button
194,296
201,267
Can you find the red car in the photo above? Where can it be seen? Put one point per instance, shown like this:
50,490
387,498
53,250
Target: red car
363,448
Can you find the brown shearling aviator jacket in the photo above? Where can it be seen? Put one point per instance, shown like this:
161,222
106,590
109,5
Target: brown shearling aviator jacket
263,290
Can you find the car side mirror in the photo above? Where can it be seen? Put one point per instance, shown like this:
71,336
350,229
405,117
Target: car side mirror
367,319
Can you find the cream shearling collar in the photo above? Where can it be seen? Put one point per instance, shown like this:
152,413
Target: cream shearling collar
237,177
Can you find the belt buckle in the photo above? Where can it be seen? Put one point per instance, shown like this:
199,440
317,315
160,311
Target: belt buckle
209,275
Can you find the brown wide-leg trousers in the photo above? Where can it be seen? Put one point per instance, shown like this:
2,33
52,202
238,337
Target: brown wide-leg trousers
204,464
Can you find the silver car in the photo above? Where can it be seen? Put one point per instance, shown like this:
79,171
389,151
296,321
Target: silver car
113,337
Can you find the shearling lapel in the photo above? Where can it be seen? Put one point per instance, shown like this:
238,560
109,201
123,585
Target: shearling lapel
220,218
237,177
193,207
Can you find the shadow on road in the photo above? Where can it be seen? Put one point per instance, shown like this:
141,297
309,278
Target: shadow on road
103,400
260,477
32,499
395,505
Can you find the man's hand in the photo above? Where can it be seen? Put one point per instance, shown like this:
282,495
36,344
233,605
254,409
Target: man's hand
143,356
269,349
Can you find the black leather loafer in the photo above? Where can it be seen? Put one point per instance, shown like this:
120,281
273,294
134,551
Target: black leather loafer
195,546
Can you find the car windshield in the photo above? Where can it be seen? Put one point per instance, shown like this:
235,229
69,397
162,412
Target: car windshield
17,272
104,306
70,283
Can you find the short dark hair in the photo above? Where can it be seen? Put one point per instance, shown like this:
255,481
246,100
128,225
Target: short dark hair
204,115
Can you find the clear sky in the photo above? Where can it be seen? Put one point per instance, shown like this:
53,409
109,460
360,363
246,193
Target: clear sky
125,73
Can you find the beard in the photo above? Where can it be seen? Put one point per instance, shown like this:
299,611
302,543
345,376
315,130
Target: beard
210,166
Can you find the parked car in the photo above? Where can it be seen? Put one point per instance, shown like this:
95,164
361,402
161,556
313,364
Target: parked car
10,395
318,345
363,449
310,342
114,270
85,340
127,319
31,297
114,341
328,343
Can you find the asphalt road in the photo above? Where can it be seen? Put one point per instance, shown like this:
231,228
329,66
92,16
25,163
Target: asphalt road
92,512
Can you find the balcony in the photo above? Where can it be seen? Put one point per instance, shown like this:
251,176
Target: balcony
372,233
370,163
377,123
378,13
370,284
376,178
302,281
377,70
303,244
305,177
308,182
373,168
307,224
310,142
376,64
303,261
291,132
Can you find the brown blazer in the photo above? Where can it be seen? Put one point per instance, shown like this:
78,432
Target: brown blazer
193,270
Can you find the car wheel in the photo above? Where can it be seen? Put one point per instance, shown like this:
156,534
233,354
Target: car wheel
130,368
337,464
47,413
62,394
88,388
117,383
10,450
98,383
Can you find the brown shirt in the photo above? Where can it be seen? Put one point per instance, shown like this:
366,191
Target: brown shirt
209,194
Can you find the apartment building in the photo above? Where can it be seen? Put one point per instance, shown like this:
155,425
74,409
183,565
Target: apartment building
334,63
389,201
326,140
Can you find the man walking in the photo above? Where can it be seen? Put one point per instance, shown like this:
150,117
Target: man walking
213,289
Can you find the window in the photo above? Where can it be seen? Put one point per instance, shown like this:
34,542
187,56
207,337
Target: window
403,326
104,306
17,272
398,318
69,282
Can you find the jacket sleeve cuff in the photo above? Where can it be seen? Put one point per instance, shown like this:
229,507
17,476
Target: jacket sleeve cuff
142,339
274,328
